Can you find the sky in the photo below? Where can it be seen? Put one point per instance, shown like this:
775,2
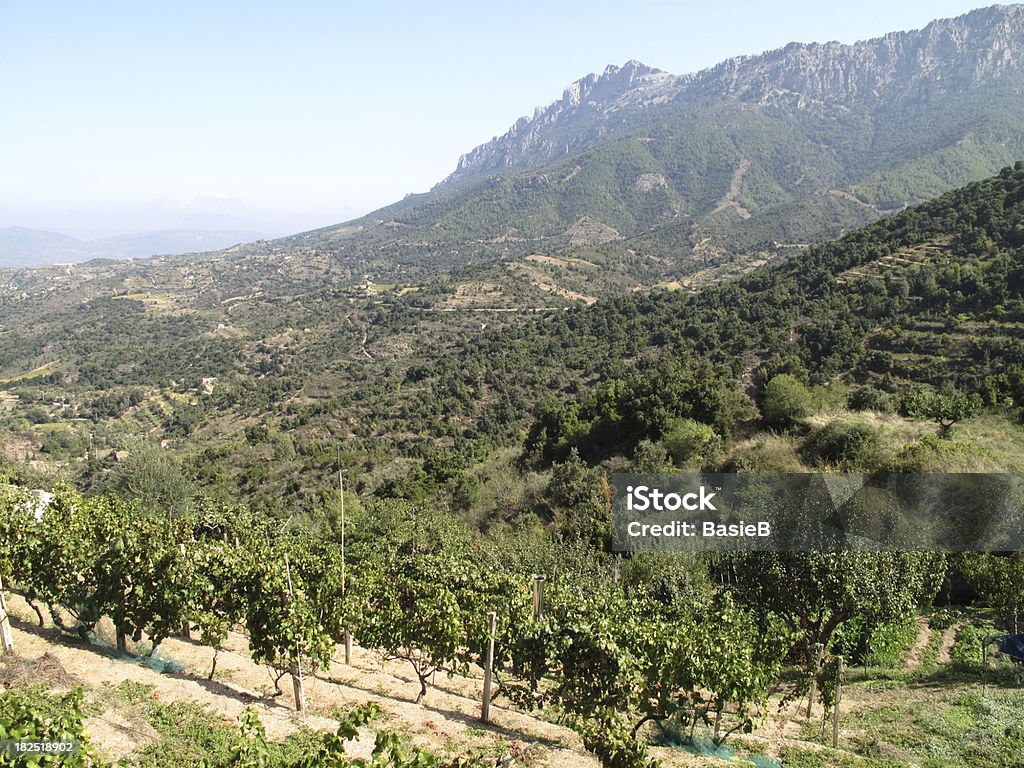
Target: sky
279,117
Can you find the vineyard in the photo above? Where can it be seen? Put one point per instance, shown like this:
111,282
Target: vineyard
618,651
610,661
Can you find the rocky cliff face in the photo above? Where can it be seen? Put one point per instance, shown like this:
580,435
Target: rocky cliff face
581,110
948,55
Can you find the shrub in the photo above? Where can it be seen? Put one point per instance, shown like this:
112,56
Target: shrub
650,457
870,399
690,443
889,641
786,401
849,444
968,651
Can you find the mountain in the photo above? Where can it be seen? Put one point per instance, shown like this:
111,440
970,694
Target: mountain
24,247
651,178
896,72
576,121
788,147
169,241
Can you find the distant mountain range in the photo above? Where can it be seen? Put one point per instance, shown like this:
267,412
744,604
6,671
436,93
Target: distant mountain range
23,247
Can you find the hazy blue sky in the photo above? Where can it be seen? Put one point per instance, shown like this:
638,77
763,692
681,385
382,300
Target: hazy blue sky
285,116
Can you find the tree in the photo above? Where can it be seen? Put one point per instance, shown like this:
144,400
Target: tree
148,474
581,499
949,406
814,593
946,406
999,579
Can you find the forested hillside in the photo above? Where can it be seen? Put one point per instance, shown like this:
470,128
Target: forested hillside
413,389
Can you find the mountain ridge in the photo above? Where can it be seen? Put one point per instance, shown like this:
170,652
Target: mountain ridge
778,76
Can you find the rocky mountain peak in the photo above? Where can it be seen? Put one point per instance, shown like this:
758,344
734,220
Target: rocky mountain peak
582,102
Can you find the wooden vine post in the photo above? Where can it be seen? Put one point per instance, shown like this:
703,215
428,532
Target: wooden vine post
6,634
840,674
538,598
186,630
818,653
298,688
485,710
347,635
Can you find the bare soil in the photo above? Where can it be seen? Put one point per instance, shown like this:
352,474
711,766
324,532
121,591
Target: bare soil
924,634
447,722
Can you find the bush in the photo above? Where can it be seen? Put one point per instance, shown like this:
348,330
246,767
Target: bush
944,618
846,444
875,644
669,578
650,457
786,401
968,651
767,455
870,399
37,415
64,442
610,741
929,454
690,443
33,715
150,475
888,643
